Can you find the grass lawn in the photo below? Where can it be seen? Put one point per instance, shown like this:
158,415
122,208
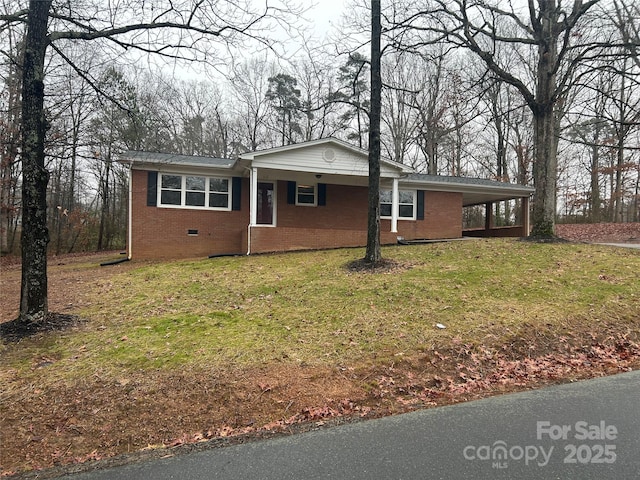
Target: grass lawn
180,352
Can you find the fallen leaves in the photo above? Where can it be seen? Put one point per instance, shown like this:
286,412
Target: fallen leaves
317,415
402,363
489,369
600,232
194,407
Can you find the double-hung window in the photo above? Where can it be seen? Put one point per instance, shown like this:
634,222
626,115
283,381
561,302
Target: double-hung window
306,195
171,190
219,193
406,204
194,191
386,200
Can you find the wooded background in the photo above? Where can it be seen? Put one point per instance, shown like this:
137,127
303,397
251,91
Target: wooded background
444,110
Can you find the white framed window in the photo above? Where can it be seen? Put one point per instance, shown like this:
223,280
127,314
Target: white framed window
171,190
219,193
306,195
194,191
406,204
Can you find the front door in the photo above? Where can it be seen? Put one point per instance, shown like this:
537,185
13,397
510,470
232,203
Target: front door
266,203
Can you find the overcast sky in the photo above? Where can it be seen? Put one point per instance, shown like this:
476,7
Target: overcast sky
322,17
325,13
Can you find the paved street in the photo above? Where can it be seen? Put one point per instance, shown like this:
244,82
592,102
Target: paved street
585,430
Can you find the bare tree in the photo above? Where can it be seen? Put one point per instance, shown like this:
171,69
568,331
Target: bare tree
373,253
606,122
316,82
626,17
177,31
401,73
249,84
9,141
547,31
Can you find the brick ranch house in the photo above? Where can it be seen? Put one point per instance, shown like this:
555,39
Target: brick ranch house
310,195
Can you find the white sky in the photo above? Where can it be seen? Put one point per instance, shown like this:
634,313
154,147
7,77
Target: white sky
324,14
323,17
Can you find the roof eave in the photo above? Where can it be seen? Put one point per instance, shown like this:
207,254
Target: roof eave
134,158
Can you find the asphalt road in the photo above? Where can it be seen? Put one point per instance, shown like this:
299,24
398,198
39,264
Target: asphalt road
585,430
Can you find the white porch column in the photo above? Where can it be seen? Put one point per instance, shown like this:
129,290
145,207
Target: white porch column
253,197
130,213
395,200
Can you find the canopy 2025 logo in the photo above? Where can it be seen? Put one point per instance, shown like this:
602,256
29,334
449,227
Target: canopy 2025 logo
595,446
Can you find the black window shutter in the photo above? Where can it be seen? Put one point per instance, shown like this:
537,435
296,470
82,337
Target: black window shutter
152,189
291,193
322,194
236,193
420,206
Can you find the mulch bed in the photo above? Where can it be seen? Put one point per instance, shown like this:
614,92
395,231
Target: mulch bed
16,330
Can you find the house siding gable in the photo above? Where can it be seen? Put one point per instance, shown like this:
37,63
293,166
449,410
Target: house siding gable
325,159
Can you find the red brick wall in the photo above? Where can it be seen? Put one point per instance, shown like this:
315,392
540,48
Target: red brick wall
346,208
162,232
342,222
442,218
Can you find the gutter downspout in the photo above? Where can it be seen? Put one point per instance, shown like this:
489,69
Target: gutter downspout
249,239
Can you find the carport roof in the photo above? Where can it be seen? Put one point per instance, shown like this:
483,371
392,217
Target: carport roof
475,191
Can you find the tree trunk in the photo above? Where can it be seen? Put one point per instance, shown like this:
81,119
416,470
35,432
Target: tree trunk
595,201
636,210
35,235
621,130
544,174
546,127
373,253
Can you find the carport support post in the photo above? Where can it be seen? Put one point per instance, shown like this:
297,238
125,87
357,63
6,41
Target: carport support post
488,216
526,222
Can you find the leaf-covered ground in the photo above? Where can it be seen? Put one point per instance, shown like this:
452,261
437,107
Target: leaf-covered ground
192,353
600,232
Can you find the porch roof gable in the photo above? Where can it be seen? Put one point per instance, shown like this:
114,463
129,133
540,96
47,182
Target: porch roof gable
324,156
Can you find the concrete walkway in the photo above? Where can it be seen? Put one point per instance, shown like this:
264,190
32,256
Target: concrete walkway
585,430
